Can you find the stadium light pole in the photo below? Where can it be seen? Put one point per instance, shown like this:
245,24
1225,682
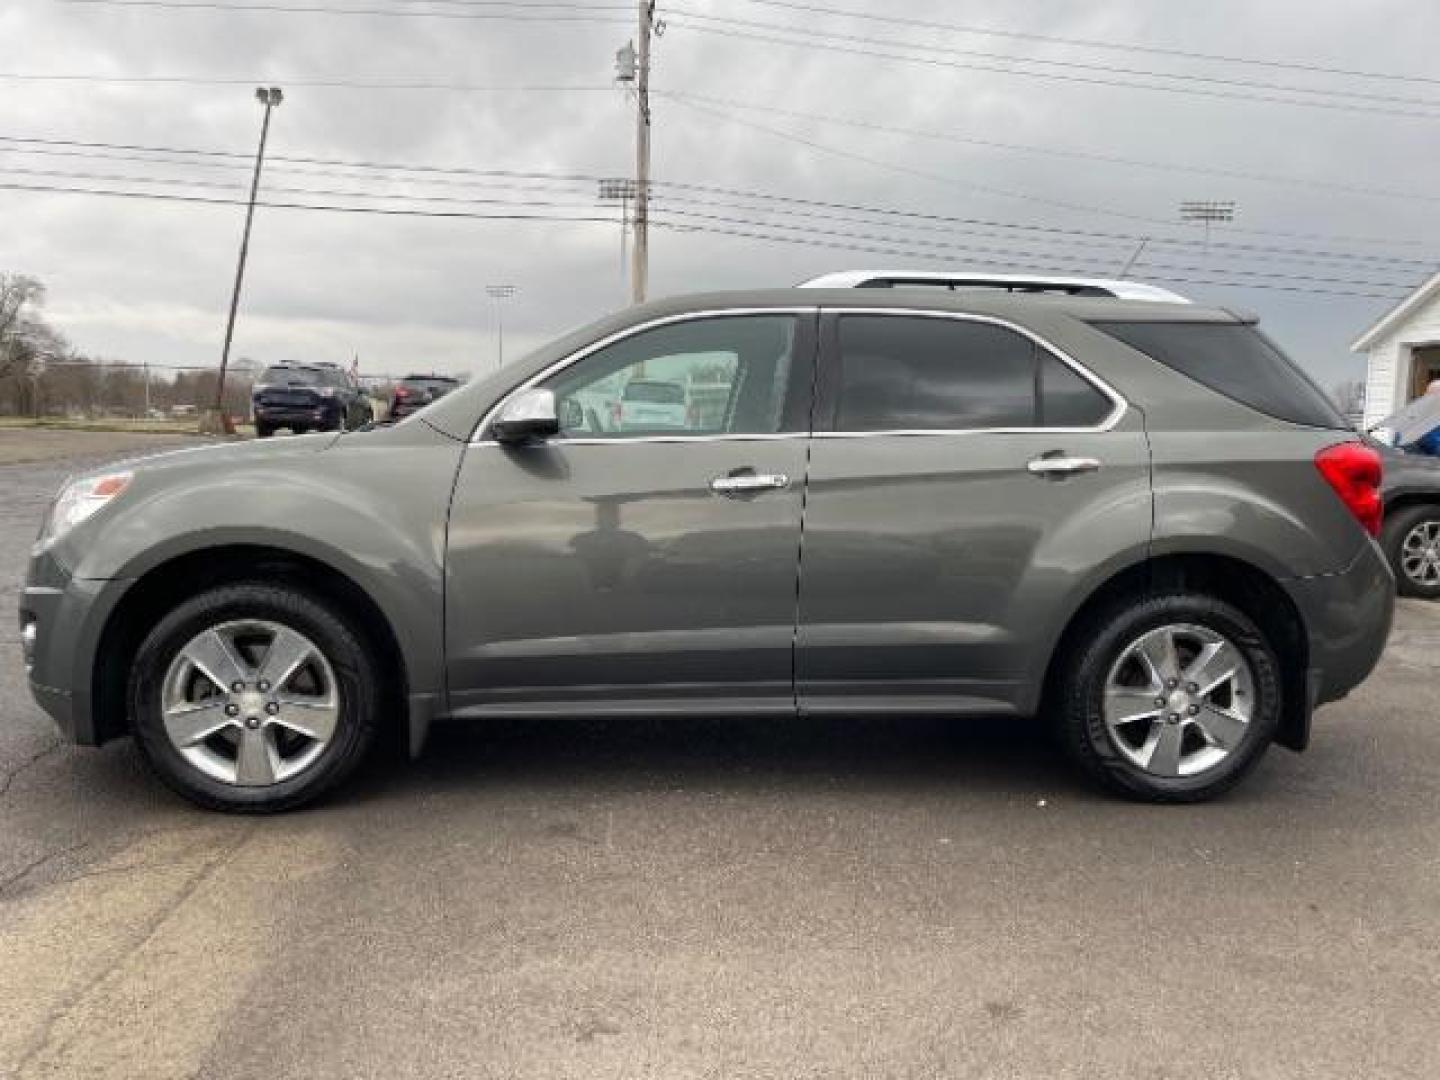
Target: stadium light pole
1208,211
499,293
268,96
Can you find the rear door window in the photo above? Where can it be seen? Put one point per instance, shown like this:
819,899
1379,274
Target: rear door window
1236,360
915,373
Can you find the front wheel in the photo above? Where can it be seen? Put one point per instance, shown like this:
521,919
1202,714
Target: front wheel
1169,698
1411,539
254,697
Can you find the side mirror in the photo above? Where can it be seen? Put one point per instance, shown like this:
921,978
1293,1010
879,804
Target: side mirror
527,416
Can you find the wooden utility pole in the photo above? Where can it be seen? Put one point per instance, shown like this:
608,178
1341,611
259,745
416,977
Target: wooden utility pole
640,265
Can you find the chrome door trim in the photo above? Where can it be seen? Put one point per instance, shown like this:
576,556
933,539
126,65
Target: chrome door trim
480,439
1120,406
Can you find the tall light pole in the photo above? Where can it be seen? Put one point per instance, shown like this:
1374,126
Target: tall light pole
1209,211
621,190
499,293
268,97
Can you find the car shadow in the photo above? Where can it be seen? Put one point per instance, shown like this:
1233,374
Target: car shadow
1002,755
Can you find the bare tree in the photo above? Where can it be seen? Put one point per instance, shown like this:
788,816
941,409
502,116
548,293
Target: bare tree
18,293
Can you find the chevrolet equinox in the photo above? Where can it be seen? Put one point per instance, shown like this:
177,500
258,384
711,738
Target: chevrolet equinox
1136,519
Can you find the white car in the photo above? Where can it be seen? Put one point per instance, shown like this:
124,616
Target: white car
646,404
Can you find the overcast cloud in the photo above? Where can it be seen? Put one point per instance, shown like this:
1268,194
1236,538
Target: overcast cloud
141,280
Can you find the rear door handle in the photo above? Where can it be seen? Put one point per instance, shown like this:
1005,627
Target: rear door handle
745,483
1060,465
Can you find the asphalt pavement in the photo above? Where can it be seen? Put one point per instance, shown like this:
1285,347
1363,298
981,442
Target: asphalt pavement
725,899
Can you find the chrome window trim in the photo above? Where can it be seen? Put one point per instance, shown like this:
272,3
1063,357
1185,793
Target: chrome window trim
620,335
1120,406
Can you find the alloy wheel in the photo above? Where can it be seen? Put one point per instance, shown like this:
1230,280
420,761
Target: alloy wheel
1420,554
251,702
1179,700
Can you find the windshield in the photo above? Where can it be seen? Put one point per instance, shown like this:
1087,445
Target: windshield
658,393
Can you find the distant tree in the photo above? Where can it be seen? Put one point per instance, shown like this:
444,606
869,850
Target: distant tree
20,295
1349,396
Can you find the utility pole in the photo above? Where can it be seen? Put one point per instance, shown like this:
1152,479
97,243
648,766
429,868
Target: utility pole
640,267
499,293
268,97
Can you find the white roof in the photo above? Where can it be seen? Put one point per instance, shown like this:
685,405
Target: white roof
1121,290
1398,314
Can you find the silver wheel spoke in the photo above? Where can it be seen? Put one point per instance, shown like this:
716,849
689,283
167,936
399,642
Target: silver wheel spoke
312,717
189,724
255,763
287,652
1157,652
1221,727
1124,704
1162,750
1215,663
217,659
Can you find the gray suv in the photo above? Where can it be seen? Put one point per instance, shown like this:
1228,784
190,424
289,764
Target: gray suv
1137,520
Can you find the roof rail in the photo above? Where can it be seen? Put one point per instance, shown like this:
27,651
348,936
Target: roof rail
1021,283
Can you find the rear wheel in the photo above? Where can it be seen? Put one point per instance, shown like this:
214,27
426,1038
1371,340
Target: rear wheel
1169,698
253,697
263,431
1411,539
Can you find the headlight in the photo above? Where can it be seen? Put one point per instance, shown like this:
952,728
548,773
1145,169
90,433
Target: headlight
79,499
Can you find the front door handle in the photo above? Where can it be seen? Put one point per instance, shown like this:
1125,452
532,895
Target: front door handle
746,483
1061,465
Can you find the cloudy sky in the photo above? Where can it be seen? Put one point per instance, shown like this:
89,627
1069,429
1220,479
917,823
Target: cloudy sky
754,99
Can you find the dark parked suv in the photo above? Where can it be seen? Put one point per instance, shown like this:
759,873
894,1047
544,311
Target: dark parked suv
307,397
1135,519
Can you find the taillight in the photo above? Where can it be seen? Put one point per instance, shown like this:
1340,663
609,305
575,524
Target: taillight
1354,470
401,392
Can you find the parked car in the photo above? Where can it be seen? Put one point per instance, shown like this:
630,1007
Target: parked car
1050,506
414,392
1411,533
307,397
648,404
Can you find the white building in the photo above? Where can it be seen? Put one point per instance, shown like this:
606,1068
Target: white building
1403,351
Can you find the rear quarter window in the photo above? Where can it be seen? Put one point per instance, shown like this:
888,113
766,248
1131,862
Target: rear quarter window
1236,360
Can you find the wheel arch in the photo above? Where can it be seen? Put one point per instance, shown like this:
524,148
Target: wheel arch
169,581
1242,584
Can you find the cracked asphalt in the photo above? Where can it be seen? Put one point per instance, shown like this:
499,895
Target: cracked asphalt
723,899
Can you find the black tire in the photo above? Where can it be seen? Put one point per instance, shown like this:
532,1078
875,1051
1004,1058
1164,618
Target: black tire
1398,526
263,431
1099,645
348,655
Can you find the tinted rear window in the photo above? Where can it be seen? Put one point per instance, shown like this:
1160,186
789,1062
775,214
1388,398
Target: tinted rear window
290,375
659,393
1235,360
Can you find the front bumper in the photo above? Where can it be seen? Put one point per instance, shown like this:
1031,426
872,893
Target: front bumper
1347,616
63,618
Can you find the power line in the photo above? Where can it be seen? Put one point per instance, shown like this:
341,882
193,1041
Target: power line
918,218
309,84
1094,43
1079,155
836,44
950,181
912,247
1075,65
573,14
